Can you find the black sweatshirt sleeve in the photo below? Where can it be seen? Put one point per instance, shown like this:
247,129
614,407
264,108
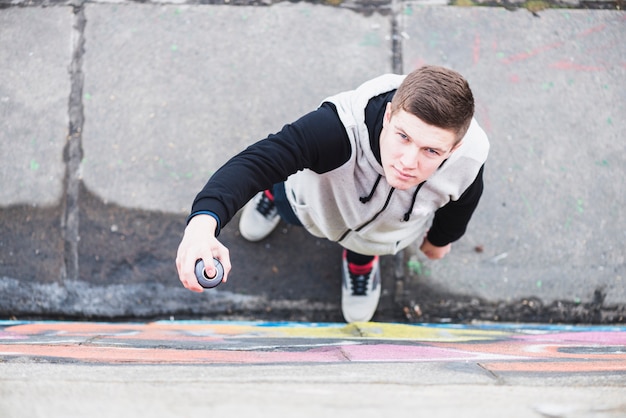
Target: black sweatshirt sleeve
451,220
317,141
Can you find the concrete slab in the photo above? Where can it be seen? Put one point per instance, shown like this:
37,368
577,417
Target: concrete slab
34,86
175,90
196,392
550,224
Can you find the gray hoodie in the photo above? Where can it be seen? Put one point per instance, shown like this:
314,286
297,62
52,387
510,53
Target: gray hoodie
329,206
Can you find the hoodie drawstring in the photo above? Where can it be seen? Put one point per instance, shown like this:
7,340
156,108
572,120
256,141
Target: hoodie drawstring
407,215
365,199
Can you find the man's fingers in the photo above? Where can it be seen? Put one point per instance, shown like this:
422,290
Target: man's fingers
223,255
187,274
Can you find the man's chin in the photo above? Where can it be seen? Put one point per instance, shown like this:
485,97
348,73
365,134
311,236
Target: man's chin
400,184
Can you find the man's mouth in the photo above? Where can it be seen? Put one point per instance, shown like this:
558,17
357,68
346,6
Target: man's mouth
403,175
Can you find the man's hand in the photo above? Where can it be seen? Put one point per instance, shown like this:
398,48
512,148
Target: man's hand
199,242
433,252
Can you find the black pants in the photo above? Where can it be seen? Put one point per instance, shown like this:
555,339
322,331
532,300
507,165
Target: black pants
282,205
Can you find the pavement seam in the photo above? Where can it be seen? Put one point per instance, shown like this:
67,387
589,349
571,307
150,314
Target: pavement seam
73,152
366,7
396,36
491,374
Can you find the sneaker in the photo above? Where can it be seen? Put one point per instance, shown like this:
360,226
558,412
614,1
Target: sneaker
259,217
360,290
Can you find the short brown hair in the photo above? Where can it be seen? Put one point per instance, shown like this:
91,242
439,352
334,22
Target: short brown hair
438,96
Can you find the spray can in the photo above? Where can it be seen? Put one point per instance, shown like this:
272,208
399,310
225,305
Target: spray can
204,280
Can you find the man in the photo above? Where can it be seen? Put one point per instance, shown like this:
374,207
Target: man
397,160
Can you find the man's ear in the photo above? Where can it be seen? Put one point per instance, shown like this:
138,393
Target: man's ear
387,116
456,146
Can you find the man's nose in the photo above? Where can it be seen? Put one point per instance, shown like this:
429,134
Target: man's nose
410,158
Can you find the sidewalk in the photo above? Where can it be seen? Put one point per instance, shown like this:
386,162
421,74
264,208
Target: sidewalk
174,368
100,165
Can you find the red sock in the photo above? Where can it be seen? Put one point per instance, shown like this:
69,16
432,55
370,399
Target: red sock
269,195
361,269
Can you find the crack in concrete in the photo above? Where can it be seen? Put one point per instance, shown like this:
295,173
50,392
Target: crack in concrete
73,152
396,37
490,373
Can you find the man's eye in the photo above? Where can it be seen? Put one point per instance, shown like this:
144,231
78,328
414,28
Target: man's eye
432,151
403,136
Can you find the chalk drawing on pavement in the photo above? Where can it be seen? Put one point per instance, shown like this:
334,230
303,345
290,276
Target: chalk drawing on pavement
496,347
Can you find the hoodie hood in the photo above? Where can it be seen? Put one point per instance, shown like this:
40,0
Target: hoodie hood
355,206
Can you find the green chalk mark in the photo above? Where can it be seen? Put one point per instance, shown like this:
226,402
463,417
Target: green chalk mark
527,204
34,165
415,267
568,222
371,39
433,41
579,206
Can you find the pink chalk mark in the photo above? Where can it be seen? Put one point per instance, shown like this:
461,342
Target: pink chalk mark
595,29
476,48
11,336
526,55
418,63
391,352
593,337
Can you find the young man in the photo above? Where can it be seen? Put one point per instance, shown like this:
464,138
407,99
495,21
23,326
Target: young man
375,169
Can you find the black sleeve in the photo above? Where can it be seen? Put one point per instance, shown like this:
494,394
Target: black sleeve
317,141
451,220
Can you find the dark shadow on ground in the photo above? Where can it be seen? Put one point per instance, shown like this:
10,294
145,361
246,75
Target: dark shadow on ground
130,254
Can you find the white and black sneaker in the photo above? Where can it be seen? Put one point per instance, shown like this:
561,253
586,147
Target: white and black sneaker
360,290
259,217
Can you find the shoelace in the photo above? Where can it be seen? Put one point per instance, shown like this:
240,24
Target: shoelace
359,283
266,207
359,277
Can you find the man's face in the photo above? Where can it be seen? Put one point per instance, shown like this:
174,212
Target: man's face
411,150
